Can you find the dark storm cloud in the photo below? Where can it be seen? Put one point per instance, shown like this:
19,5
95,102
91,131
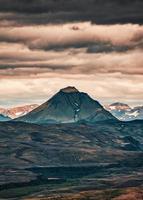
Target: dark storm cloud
92,47
73,48
54,11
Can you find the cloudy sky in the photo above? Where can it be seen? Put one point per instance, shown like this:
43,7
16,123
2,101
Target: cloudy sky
94,45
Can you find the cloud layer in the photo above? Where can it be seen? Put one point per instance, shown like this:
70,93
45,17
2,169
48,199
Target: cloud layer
73,48
72,35
61,11
106,89
96,45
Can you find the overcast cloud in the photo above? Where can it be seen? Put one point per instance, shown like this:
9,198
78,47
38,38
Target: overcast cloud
95,45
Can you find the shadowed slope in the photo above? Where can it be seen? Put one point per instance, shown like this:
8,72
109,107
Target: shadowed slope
4,118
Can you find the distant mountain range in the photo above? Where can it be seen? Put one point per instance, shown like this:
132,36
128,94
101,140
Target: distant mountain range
68,106
17,111
124,112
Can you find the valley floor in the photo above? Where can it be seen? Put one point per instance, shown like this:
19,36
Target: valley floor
78,183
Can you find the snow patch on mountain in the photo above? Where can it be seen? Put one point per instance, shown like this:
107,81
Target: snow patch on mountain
125,113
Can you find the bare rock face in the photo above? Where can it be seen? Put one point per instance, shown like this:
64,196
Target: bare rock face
69,89
18,111
119,106
124,112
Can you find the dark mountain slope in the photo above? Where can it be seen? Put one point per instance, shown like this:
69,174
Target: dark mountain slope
4,118
68,106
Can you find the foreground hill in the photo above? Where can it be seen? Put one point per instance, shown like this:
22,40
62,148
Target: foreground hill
68,106
70,144
50,159
132,193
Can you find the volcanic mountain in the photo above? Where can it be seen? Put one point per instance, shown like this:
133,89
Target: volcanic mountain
68,106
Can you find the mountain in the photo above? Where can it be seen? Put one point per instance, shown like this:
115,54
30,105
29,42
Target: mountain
119,106
119,110
4,118
124,112
136,113
17,111
68,106
51,161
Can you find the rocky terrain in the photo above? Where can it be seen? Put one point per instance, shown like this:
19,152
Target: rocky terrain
135,193
17,111
125,113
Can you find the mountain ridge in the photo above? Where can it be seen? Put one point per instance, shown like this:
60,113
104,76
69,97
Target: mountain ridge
124,112
17,111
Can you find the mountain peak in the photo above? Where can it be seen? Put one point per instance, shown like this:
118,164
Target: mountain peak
69,89
68,106
118,105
